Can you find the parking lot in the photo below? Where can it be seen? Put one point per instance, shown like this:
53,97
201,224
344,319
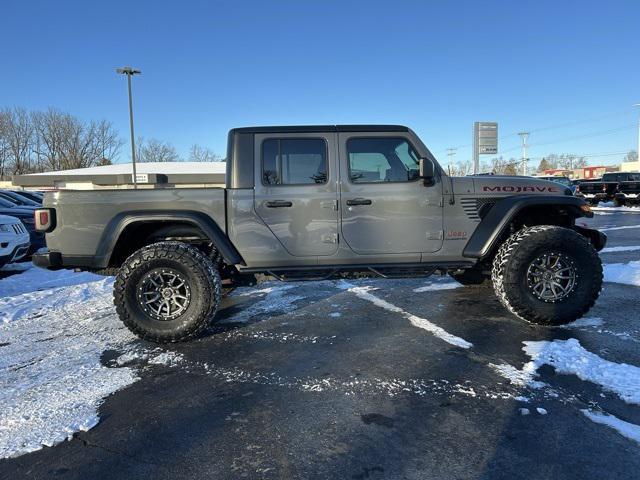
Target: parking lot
414,379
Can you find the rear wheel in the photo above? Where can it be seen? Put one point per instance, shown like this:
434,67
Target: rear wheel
167,292
547,274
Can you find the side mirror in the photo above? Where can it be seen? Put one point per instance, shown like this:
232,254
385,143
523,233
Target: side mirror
426,168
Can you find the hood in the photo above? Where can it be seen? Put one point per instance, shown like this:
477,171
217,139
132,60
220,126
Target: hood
499,185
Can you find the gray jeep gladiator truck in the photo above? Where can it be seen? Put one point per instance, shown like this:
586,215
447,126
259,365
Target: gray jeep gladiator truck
323,202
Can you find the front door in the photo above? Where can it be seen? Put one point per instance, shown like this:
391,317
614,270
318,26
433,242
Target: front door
386,208
295,191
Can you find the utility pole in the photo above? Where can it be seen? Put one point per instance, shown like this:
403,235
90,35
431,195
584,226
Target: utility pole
524,136
451,153
129,72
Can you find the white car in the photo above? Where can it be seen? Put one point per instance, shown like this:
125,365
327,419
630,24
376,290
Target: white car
14,240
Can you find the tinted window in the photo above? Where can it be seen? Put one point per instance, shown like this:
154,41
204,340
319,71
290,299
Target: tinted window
614,177
382,160
294,161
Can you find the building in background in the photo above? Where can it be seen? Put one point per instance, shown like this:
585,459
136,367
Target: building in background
584,173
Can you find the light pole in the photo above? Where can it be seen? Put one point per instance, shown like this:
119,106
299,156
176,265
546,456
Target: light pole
129,72
524,136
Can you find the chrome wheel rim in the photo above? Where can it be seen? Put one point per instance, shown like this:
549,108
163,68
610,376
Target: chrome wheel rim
552,277
164,294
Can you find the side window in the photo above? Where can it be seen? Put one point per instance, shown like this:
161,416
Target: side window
294,161
382,159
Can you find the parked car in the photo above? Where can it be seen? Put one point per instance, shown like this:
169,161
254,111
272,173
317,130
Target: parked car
14,240
35,196
628,191
319,202
26,216
565,181
604,189
18,199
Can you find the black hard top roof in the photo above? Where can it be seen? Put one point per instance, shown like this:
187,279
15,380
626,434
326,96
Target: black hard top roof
321,128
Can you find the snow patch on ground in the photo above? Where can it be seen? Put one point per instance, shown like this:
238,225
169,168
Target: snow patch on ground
628,248
521,378
271,299
585,322
437,286
626,429
628,273
610,206
570,358
625,227
365,294
51,378
279,337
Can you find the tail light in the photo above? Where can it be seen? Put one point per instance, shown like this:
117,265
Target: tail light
44,219
604,187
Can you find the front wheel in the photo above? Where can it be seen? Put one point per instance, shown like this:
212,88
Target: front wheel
167,292
548,275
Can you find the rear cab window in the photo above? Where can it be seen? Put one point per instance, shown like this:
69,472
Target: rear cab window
294,161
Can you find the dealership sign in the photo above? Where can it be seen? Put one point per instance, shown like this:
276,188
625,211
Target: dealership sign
485,137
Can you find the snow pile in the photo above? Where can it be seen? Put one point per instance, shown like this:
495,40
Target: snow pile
365,294
33,279
51,378
628,273
626,429
570,358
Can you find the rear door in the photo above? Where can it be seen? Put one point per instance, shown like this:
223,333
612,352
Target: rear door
296,191
386,208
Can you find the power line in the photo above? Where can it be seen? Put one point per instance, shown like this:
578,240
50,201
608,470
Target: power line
555,127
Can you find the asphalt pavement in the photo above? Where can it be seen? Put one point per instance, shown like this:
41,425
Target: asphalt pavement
331,383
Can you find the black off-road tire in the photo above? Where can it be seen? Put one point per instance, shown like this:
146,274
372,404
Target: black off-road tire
472,277
199,274
509,274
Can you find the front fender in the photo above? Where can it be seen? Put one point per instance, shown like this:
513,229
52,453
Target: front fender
492,226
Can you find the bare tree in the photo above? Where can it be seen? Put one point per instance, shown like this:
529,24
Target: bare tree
203,154
462,168
17,133
500,166
61,141
154,150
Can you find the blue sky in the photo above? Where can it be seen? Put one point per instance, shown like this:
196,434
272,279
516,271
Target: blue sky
436,66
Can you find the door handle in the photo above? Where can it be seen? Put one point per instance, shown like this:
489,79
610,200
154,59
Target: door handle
278,204
358,201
